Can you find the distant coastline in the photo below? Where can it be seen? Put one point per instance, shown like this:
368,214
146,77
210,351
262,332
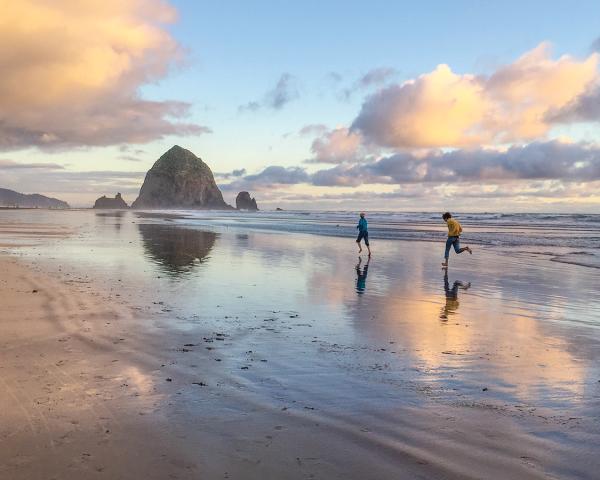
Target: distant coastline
5,207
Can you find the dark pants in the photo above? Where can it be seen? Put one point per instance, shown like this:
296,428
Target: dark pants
452,242
363,235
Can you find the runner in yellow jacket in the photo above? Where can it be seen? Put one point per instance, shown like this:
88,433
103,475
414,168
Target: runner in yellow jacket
454,231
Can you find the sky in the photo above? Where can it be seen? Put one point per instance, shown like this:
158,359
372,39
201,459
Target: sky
381,105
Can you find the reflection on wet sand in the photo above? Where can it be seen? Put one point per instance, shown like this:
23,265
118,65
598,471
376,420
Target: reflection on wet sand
175,249
361,277
451,296
491,340
117,215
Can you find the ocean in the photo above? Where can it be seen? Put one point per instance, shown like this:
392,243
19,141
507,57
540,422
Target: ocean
569,238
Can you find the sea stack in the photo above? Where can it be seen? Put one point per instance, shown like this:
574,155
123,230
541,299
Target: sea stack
243,201
179,179
106,202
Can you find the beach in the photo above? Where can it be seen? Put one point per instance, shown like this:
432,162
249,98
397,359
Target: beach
144,345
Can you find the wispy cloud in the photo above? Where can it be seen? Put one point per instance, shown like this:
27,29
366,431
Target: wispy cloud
129,158
313,129
12,165
233,174
284,91
375,77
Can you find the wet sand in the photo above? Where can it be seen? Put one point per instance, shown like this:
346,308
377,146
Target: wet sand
153,351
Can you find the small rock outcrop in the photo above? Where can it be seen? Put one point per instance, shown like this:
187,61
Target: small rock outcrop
179,179
243,201
107,202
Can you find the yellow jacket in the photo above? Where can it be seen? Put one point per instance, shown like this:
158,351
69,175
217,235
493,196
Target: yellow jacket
454,228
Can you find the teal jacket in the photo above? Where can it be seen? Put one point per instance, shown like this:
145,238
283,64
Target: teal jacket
362,225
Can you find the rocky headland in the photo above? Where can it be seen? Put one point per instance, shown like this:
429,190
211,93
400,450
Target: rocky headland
12,199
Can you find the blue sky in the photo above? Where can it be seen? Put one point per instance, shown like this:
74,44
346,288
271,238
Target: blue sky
238,50
235,53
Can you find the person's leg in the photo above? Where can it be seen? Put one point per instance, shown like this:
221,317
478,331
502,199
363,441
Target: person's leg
358,239
449,242
456,245
457,248
367,242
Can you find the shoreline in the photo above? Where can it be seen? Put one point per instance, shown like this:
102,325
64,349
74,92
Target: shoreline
339,225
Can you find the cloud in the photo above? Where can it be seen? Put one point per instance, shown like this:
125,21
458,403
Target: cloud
373,78
270,177
279,175
584,108
596,45
408,192
128,148
337,146
72,72
250,107
233,174
535,161
129,158
339,176
551,160
313,129
445,109
334,77
284,91
377,76
12,165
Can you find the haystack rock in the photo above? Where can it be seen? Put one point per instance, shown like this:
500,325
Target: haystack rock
243,201
106,202
179,179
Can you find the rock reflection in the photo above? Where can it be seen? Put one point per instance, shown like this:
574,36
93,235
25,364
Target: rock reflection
452,303
176,249
117,215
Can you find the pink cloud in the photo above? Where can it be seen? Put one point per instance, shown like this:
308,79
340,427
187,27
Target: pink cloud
72,72
446,109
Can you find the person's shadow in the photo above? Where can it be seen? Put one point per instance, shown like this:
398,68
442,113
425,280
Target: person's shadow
361,276
451,296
